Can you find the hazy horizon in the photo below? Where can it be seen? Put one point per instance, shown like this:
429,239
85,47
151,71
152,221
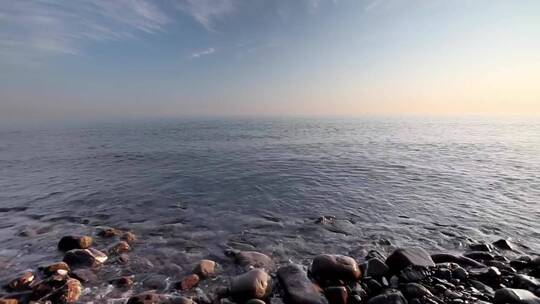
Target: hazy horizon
100,59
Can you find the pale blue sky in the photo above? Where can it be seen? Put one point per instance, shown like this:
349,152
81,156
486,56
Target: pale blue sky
83,59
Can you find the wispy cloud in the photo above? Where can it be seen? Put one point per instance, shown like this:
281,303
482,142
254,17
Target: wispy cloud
207,12
30,29
204,52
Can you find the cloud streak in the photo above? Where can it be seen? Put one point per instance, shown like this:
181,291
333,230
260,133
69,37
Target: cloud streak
30,29
205,52
207,12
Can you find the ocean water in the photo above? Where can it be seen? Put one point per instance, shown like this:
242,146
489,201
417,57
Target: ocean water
191,188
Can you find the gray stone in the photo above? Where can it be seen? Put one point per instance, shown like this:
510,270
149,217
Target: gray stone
460,260
297,287
392,297
376,268
404,257
515,296
251,259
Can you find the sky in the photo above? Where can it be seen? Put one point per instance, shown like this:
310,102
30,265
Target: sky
101,59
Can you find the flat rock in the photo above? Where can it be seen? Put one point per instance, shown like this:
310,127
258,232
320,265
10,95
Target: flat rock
74,242
404,257
85,258
460,260
297,287
393,297
254,284
334,268
60,268
515,296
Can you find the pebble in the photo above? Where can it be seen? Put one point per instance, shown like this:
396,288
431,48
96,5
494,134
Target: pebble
60,268
70,242
333,268
155,282
254,284
415,290
122,282
205,269
188,282
297,287
460,273
145,298
404,257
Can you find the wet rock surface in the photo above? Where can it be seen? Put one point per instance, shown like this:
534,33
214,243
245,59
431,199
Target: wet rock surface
482,274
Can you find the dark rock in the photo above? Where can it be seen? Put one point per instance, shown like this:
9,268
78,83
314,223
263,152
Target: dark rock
74,242
337,295
297,287
481,247
443,273
502,266
535,262
181,300
254,284
373,287
460,260
535,272
490,276
482,287
522,281
504,244
84,275
189,282
129,237
146,298
479,256
375,268
519,264
123,282
413,274
70,293
415,290
205,269
452,294
374,254
393,297
515,296
58,290
404,257
155,282
108,232
22,282
120,247
251,259
329,268
85,258
460,273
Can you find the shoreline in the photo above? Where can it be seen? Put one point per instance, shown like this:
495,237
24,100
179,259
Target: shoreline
486,273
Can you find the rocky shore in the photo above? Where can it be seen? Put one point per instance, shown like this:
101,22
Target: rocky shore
486,273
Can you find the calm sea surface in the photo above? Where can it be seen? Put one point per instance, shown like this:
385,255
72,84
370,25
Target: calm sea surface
190,189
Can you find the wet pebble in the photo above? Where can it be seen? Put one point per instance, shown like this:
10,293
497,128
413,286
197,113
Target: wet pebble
205,269
330,268
297,287
404,257
254,284
74,242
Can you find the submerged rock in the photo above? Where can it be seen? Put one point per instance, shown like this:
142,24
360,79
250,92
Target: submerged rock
251,259
145,298
85,258
108,232
404,257
254,284
120,247
515,296
123,282
297,287
328,268
22,282
205,269
129,237
74,242
188,282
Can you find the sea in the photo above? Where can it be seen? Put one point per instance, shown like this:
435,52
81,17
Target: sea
291,188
